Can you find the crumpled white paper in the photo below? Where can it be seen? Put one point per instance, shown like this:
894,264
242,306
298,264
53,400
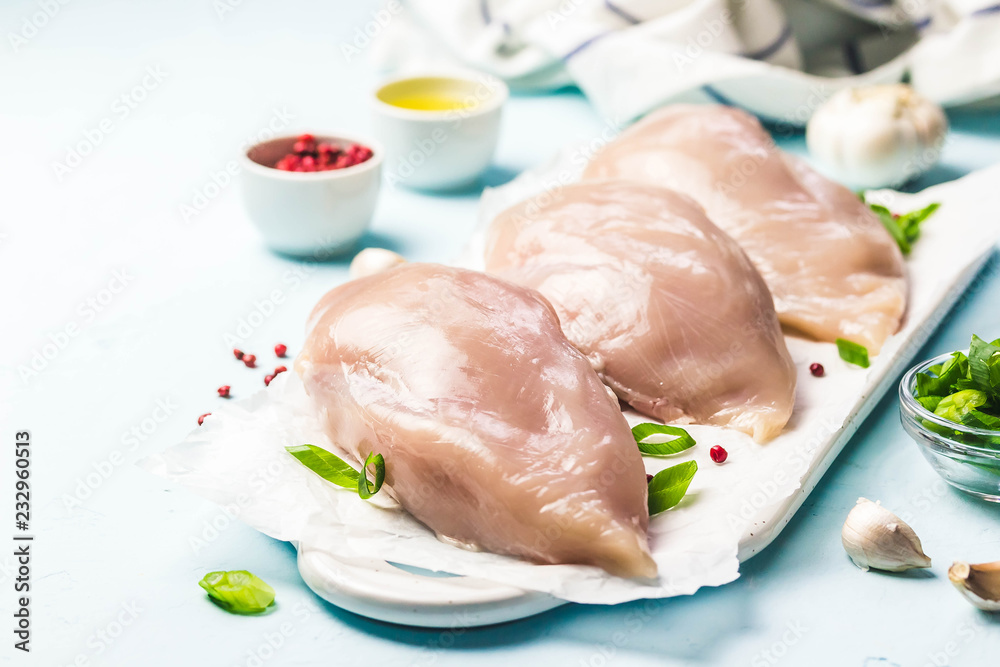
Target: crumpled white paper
237,458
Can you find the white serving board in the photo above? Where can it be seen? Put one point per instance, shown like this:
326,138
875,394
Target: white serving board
732,511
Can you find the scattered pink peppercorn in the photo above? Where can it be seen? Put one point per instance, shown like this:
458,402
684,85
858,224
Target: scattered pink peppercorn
224,391
817,370
280,349
267,380
238,354
201,419
280,369
718,454
249,360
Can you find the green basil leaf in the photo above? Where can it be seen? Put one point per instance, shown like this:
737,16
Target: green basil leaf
668,486
853,353
905,228
679,443
238,591
910,222
368,489
892,226
328,466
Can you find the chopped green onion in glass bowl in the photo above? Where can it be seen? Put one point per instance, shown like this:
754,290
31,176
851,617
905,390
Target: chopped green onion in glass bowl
964,452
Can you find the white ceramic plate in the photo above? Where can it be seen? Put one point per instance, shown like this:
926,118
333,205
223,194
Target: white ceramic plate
386,592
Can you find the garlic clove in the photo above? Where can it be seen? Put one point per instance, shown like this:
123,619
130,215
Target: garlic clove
876,538
876,136
370,261
979,583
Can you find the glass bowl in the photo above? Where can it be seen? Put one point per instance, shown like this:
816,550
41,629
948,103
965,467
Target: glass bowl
968,458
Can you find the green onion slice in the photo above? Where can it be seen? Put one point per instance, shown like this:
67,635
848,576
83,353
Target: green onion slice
984,366
930,402
368,489
980,419
947,374
965,389
682,439
853,353
956,406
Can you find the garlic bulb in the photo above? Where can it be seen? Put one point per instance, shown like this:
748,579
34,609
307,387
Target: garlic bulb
370,261
980,584
877,136
876,538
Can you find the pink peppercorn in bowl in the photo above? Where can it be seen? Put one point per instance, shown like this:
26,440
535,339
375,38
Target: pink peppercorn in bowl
315,213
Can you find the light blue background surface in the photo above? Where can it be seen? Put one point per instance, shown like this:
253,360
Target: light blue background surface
128,543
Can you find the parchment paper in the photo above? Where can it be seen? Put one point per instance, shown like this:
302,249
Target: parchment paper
237,458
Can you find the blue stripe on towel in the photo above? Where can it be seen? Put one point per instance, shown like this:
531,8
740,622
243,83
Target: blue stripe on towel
853,57
771,49
621,13
985,11
484,9
717,96
585,44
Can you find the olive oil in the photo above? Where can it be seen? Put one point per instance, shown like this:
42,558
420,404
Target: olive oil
432,102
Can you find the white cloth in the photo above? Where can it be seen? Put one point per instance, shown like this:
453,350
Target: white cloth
777,58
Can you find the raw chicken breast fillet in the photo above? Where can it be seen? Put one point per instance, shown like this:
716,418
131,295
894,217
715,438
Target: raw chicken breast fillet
834,271
671,313
496,432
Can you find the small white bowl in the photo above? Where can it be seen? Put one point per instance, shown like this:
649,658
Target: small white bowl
439,149
310,214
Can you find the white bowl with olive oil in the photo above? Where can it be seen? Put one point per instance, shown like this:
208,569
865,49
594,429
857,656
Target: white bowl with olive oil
439,131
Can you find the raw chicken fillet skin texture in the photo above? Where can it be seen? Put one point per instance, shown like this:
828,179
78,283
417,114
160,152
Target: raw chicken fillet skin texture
496,432
668,308
834,271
